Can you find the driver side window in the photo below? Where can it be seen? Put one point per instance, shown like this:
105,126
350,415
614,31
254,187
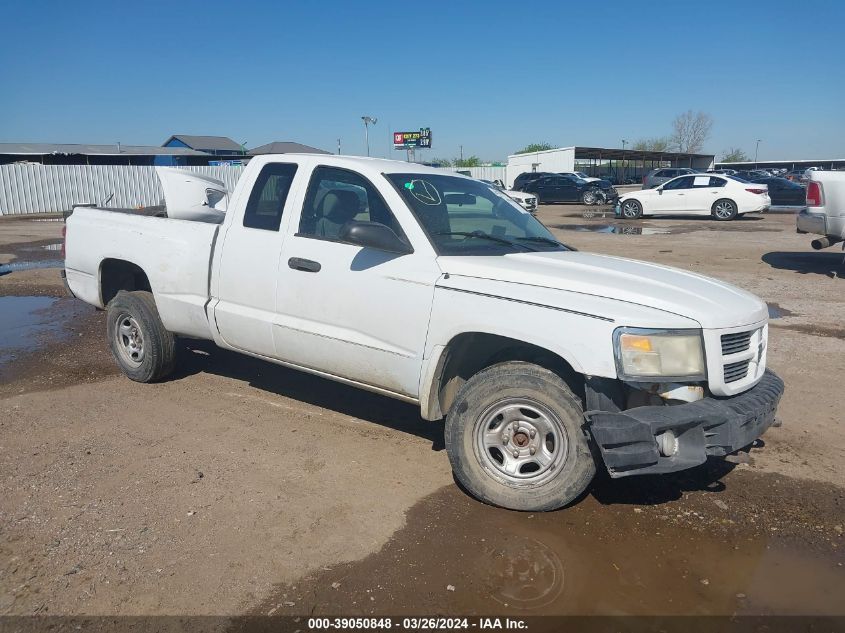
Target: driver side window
679,183
337,196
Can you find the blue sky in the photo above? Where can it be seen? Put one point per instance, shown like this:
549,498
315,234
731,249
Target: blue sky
491,76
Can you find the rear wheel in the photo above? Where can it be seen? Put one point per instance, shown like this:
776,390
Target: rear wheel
139,342
724,210
632,209
514,438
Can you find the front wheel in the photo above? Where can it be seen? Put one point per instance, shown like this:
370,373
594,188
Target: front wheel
514,438
588,197
724,210
632,209
140,344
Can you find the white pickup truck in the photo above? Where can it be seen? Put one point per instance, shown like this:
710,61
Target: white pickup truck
439,290
825,212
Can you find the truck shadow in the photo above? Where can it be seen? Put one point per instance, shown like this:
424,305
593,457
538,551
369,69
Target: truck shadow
827,264
660,489
204,356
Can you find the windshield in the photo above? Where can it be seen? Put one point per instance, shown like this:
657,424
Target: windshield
467,217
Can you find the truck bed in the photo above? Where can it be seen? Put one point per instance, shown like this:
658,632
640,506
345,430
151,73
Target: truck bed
174,254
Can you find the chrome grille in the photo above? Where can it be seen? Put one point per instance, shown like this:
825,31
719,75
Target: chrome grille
736,371
736,342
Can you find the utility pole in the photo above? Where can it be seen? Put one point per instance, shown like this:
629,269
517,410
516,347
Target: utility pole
462,155
338,146
755,152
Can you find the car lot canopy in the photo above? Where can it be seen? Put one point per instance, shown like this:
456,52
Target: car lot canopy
677,159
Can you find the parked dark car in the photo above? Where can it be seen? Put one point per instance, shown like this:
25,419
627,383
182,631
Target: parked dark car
783,192
795,175
527,177
557,188
753,174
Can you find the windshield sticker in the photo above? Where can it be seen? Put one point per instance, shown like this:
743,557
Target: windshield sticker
424,191
701,181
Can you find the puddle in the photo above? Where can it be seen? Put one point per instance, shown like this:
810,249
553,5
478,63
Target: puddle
616,229
16,266
45,247
28,323
776,312
813,330
458,556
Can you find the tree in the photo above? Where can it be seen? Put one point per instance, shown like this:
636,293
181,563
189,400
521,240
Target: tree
471,161
734,155
657,144
441,162
690,130
534,147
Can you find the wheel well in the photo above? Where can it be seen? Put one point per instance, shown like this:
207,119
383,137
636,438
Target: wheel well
117,275
718,200
469,353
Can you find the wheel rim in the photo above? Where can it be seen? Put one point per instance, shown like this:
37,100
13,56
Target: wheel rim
630,210
589,198
128,338
520,441
724,209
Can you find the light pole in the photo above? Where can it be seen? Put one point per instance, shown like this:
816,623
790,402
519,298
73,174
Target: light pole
755,153
624,142
367,121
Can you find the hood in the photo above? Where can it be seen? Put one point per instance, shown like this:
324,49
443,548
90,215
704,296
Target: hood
192,196
519,195
712,303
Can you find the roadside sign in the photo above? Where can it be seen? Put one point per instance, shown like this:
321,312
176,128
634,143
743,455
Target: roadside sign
411,140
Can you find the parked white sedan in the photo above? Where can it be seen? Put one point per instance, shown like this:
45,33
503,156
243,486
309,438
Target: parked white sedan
723,197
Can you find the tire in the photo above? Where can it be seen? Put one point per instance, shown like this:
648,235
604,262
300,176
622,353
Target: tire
494,414
588,197
139,342
724,210
632,209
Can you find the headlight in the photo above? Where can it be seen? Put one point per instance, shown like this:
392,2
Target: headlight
646,355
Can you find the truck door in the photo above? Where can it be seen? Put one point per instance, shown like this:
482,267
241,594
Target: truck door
353,312
249,264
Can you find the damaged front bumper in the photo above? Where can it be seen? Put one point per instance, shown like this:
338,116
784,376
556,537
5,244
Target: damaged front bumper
664,439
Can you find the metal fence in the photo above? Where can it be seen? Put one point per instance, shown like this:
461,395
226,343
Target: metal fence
31,188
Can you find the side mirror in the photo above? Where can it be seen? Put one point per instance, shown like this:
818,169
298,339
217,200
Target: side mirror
373,235
660,190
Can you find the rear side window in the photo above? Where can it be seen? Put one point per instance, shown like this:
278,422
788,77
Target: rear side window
267,200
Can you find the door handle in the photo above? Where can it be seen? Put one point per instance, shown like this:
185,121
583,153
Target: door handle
305,265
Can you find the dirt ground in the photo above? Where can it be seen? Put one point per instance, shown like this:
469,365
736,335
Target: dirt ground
240,487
